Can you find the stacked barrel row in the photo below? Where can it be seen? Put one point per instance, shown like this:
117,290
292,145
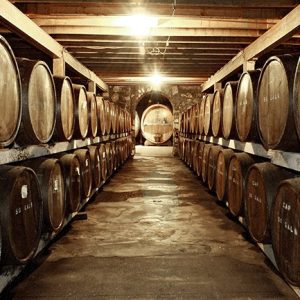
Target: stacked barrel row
267,196
262,106
38,107
40,194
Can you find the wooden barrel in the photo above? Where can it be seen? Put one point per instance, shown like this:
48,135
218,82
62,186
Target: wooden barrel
195,155
238,168
96,165
212,165
275,106
10,93
193,119
107,116
157,124
102,151
86,171
285,228
216,121
208,114
51,180
81,112
38,103
20,214
228,115
137,124
93,116
191,154
72,176
223,161
201,116
246,107
199,160
187,120
109,159
101,115
262,182
113,117
204,167
65,112
296,98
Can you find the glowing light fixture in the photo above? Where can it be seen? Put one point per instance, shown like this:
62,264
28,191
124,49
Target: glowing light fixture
156,80
139,25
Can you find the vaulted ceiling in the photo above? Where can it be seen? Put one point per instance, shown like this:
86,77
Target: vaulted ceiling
189,41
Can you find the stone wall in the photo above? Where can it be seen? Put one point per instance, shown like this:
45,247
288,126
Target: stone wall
181,97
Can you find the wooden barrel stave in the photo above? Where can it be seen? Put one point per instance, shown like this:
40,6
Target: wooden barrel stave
212,165
204,167
96,165
104,173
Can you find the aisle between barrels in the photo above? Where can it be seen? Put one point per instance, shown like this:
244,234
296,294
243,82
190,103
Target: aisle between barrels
153,232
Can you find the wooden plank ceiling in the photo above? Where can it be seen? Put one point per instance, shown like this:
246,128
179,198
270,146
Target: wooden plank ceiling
188,43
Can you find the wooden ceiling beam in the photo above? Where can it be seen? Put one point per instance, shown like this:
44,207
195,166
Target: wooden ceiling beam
247,9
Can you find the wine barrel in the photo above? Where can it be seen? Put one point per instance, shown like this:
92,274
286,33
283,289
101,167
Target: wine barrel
201,116
96,165
207,114
195,155
10,95
223,161
261,184
199,160
38,103
81,112
204,167
296,98
228,115
71,170
275,106
102,151
113,117
101,115
193,119
86,171
238,167
65,112
157,124
20,214
285,228
109,159
93,116
216,122
107,116
191,154
212,165
51,180
246,107
137,124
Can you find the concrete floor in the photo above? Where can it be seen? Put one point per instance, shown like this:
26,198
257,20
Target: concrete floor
154,232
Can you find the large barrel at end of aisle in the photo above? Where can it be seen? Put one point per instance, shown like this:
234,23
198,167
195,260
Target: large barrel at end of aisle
38,103
10,94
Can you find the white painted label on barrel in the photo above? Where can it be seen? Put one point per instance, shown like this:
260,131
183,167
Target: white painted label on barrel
56,185
77,170
103,155
86,162
24,191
